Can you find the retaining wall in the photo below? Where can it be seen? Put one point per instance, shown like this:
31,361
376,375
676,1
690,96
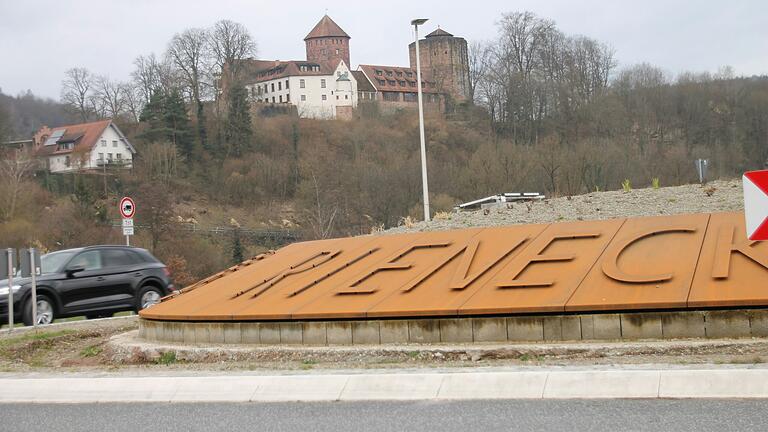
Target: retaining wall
620,326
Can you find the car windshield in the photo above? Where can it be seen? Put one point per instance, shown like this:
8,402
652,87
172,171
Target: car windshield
52,262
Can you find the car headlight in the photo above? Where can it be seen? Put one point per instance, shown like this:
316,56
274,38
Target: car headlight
4,290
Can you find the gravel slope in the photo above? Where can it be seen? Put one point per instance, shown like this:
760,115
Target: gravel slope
716,196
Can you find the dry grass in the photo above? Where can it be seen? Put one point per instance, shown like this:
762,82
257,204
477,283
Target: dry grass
442,215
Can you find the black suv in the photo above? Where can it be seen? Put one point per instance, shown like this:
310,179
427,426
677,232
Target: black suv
94,281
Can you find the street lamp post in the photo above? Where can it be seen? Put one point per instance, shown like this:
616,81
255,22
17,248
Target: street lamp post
416,23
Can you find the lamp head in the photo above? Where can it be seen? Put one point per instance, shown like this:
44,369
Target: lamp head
419,21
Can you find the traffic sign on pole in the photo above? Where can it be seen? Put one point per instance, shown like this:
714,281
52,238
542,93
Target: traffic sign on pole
756,204
127,208
127,211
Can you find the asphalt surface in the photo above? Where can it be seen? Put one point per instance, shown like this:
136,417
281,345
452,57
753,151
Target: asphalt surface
567,415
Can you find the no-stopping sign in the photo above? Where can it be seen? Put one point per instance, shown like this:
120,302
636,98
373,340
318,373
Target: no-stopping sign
127,208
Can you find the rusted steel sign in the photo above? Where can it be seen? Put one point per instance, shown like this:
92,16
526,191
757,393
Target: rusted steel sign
665,262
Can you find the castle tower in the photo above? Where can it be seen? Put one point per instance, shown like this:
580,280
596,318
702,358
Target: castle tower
327,42
445,60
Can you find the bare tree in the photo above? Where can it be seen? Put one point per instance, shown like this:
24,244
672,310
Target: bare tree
15,167
479,62
146,75
133,97
189,53
110,96
76,91
323,215
159,162
230,41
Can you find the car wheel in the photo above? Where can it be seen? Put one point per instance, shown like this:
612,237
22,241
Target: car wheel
148,297
45,311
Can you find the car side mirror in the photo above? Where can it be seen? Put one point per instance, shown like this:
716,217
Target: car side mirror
74,270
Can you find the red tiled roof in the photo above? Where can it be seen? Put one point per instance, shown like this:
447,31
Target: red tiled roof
326,27
438,32
396,78
264,70
362,82
84,136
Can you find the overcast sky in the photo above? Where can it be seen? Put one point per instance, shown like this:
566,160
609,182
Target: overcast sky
40,39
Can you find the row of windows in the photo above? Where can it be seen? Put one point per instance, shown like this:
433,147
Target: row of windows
396,97
390,73
118,156
279,99
258,90
303,84
402,83
270,72
96,260
104,143
324,51
325,42
308,68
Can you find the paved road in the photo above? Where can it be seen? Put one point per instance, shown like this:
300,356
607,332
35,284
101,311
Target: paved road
464,416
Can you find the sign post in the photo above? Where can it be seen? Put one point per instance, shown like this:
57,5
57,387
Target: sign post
127,210
30,267
756,204
11,271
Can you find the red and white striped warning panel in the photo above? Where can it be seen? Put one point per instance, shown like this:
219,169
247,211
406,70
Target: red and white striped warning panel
756,204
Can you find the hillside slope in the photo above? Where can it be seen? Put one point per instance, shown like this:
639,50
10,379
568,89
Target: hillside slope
716,196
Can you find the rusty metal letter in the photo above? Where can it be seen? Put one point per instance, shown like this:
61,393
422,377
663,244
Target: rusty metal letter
390,264
461,278
300,267
611,260
539,257
726,247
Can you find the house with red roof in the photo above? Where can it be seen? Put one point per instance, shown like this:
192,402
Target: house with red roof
83,147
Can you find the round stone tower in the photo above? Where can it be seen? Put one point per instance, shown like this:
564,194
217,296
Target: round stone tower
445,61
327,42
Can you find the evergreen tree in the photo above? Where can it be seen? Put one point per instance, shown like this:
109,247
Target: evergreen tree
238,132
177,123
152,115
167,120
237,247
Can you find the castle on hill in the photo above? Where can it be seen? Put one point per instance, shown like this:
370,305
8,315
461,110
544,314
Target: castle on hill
325,86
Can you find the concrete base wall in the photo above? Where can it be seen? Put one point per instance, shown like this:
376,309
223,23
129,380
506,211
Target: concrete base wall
625,326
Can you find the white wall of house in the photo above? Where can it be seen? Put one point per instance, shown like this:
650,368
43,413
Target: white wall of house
315,96
110,146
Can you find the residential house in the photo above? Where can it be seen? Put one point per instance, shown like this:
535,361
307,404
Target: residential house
83,147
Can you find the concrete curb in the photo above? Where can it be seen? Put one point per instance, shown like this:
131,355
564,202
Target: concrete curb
537,384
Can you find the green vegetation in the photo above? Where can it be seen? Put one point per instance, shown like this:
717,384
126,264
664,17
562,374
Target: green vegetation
91,351
167,358
31,337
655,183
626,185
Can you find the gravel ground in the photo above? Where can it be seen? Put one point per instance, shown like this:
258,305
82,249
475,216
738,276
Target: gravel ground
716,196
